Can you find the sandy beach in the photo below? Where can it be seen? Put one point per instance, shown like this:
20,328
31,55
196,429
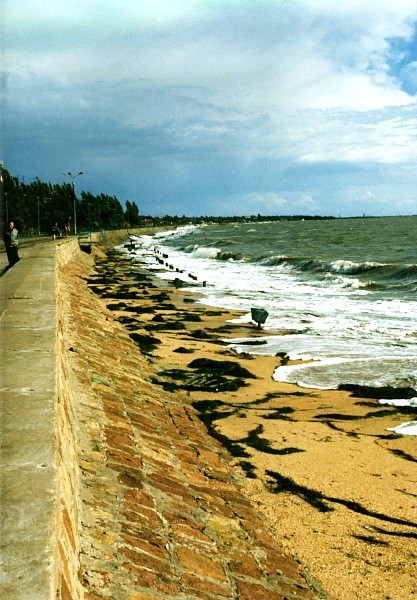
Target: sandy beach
335,486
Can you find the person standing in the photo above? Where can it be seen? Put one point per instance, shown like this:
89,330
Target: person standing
11,241
55,231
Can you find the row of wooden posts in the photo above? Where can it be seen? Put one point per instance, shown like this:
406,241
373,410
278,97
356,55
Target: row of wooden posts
259,315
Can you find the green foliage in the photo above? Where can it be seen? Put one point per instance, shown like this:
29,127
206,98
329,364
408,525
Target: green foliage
36,206
132,214
100,212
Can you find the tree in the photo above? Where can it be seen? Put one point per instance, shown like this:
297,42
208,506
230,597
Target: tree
132,214
99,212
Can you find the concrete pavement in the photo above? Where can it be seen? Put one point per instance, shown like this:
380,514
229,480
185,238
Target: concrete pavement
28,317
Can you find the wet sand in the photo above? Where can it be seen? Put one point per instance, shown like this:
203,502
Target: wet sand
335,486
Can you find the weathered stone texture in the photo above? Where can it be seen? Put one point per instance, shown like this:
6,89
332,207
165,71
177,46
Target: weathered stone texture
68,562
150,508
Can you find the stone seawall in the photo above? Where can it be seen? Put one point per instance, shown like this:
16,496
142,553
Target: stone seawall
67,576
111,487
158,512
68,585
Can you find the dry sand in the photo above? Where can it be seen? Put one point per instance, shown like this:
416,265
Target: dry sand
335,486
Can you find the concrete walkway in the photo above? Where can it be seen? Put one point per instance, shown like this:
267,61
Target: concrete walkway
28,448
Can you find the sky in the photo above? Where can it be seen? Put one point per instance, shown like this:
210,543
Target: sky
216,107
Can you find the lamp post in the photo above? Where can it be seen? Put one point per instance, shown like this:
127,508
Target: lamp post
73,177
3,194
39,220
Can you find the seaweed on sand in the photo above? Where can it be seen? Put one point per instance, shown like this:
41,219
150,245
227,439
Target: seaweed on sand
387,392
200,334
182,350
262,445
120,294
405,534
165,326
158,319
141,310
338,417
190,317
209,375
378,413
208,414
96,290
146,343
117,306
404,455
370,539
161,297
279,483
231,368
208,411
209,382
281,413
247,468
127,320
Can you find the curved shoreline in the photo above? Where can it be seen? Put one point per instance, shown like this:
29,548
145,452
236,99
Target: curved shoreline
161,511
112,485
329,458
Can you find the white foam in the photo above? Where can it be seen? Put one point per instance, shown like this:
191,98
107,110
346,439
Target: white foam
317,318
295,373
205,252
409,428
400,402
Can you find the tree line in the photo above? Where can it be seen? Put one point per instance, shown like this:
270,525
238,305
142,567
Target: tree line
37,206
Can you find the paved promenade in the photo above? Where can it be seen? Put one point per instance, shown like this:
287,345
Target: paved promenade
28,396
154,510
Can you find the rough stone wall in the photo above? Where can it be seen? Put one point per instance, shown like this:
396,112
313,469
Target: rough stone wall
148,507
68,583
67,575
157,509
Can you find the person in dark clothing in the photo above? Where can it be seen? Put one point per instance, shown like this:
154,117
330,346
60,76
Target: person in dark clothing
11,241
55,231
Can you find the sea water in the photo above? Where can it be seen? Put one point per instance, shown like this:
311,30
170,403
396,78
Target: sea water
341,294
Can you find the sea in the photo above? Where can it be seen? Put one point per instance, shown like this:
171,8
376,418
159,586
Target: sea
341,294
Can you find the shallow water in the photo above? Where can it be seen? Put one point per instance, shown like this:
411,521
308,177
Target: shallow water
341,292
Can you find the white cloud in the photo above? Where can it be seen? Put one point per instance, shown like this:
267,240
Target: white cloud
291,83
266,201
307,200
388,136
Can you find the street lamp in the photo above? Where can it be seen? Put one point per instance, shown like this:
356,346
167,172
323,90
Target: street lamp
73,177
39,220
3,193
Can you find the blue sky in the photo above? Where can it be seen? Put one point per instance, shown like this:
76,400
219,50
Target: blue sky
216,107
